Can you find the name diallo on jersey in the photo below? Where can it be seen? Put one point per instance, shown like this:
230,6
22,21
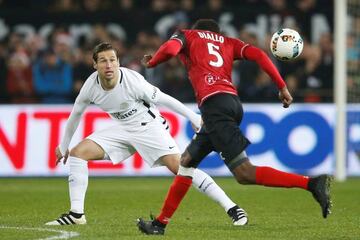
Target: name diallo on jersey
211,36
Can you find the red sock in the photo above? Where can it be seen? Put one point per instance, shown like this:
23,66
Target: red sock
274,178
177,192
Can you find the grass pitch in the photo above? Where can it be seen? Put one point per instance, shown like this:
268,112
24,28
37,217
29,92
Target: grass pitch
114,204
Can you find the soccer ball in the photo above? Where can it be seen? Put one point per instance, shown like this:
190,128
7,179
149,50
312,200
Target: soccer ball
286,44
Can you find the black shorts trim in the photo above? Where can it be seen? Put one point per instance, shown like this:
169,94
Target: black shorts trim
237,161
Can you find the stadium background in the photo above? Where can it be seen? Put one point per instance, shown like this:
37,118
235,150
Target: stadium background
55,39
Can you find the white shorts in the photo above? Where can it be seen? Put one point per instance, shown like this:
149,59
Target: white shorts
151,141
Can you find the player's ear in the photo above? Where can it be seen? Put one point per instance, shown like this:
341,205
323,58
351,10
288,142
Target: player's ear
95,65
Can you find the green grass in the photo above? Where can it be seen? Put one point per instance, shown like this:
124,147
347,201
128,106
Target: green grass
113,204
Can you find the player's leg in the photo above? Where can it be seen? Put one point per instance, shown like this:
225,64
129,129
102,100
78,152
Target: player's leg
111,144
222,125
157,147
78,178
199,148
155,141
202,182
246,173
78,181
227,131
176,193
222,115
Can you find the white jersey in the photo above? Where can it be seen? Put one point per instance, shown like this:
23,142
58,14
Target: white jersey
128,102
131,103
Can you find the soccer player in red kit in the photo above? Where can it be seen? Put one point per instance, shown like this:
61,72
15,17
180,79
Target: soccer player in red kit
208,57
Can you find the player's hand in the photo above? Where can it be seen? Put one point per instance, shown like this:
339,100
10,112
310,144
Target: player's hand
60,157
145,60
196,125
285,97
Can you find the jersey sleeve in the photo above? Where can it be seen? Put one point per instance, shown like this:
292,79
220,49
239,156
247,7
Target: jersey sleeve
239,47
260,57
143,90
168,49
81,102
178,107
179,36
85,93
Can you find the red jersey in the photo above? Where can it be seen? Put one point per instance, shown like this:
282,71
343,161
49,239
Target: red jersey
208,58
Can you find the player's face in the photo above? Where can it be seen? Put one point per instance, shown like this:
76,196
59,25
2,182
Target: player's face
107,65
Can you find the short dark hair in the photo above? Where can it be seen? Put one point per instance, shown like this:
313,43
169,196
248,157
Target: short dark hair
207,24
102,47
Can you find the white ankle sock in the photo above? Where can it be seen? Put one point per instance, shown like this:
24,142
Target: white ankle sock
205,184
78,182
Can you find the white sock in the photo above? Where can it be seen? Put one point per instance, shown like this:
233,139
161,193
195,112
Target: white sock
78,182
205,184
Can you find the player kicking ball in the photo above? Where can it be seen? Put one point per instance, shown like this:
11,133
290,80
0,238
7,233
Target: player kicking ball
208,57
130,100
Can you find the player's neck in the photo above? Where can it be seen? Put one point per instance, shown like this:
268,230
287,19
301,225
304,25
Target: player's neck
108,84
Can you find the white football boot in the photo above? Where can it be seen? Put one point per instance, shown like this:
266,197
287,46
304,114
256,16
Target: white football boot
238,215
68,219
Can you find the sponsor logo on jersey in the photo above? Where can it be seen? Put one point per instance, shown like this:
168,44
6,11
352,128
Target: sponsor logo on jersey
121,116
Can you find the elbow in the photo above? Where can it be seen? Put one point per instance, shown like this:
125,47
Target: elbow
171,52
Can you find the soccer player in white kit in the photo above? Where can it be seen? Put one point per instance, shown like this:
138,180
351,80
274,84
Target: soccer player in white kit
130,100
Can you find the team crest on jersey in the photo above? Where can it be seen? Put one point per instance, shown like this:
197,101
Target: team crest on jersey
124,105
210,79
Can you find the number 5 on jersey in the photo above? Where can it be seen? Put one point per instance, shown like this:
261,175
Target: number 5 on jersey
213,50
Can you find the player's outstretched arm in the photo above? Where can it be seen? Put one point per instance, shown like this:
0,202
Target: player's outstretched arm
180,108
62,151
255,54
166,51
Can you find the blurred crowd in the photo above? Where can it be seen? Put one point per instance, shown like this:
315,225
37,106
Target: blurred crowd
52,69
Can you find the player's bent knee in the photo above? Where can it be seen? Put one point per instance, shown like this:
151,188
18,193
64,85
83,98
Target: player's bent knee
242,179
77,152
173,168
245,173
87,150
171,162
